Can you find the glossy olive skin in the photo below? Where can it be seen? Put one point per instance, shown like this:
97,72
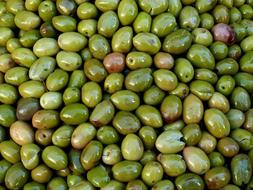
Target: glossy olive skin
74,114
111,154
147,42
189,181
16,176
207,142
171,108
122,40
126,171
240,99
220,119
181,37
26,108
132,147
146,112
204,59
216,159
239,134
228,147
29,155
91,154
125,100
163,24
98,176
170,141
126,122
196,160
107,135
241,164
4,165
189,18
217,177
243,79
44,136
127,11
74,161
173,164
54,157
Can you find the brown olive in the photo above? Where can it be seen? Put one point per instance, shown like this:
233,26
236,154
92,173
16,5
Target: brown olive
114,62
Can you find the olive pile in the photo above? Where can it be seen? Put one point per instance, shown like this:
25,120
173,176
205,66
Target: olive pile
126,94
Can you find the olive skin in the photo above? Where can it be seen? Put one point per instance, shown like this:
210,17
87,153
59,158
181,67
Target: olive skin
126,171
26,108
125,122
132,147
127,11
61,136
214,182
192,102
165,79
19,127
196,160
142,22
102,114
163,60
98,176
74,161
207,142
204,59
54,157
153,169
162,30
240,99
189,18
154,8
108,23
16,176
126,94
7,115
125,100
139,184
239,134
170,142
122,40
91,154
107,135
189,181
171,108
228,147
147,42
29,155
216,159
82,134
10,151
41,174
182,38
163,184
99,46
241,169
74,114
173,164
72,41
221,127
111,154
114,62
113,184
146,112
45,119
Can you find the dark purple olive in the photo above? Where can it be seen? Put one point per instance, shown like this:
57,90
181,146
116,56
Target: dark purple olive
224,33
